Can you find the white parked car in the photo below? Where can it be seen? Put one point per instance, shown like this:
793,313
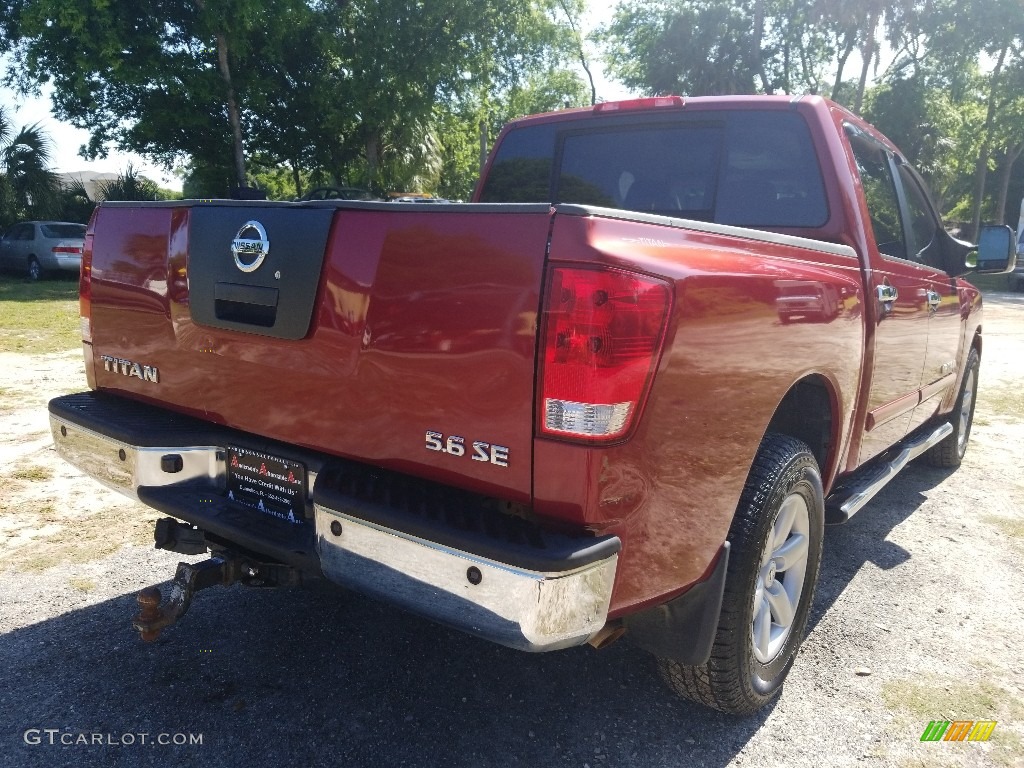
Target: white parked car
38,247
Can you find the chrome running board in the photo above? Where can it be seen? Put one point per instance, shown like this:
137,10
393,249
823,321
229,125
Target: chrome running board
849,497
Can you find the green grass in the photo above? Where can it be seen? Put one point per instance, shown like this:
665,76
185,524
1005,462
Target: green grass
38,317
33,473
982,698
83,585
1002,400
83,539
948,700
1010,527
986,283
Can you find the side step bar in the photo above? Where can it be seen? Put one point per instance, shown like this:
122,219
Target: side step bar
847,499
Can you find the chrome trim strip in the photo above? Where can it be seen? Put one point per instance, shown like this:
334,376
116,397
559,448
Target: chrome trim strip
904,457
518,608
709,227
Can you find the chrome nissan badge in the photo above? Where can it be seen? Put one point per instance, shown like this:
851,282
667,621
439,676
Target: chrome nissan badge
250,246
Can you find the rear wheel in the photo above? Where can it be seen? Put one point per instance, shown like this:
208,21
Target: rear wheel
776,540
35,269
950,452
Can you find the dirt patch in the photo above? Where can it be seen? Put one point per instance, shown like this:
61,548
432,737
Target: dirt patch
46,520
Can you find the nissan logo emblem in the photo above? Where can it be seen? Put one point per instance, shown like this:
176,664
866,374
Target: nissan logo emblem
250,246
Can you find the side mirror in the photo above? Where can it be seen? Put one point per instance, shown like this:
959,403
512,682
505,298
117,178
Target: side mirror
995,253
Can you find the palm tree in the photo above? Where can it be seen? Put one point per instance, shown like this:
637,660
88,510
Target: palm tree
28,188
129,185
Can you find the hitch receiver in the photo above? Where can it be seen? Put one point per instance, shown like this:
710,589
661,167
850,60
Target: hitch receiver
190,578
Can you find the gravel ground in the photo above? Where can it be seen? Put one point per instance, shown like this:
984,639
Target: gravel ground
918,617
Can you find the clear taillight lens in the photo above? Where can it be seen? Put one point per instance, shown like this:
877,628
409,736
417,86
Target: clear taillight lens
602,332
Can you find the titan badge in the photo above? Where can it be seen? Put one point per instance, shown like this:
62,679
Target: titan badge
131,368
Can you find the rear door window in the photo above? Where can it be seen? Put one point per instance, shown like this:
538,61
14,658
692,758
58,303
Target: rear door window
880,193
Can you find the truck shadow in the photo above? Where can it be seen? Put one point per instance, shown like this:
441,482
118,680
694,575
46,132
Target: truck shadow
316,676
864,539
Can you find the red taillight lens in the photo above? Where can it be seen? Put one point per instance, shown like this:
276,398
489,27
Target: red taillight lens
649,102
602,332
67,249
85,283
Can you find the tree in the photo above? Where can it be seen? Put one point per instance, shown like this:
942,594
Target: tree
317,86
703,47
165,78
977,53
937,133
129,185
466,128
28,189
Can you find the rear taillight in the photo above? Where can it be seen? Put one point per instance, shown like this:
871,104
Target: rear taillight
602,332
85,283
77,250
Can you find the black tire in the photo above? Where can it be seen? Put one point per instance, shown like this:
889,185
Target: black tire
35,269
950,452
735,680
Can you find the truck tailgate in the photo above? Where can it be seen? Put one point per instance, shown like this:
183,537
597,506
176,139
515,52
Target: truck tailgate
364,327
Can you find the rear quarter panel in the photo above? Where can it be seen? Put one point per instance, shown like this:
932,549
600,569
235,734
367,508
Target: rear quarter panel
734,349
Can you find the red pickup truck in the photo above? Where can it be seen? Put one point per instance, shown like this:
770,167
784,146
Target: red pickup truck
619,393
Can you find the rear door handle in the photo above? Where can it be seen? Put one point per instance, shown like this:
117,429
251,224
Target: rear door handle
887,293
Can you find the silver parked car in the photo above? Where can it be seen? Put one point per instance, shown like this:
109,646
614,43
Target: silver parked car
38,247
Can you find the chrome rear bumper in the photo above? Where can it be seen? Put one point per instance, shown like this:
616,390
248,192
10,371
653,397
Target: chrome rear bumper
534,607
519,608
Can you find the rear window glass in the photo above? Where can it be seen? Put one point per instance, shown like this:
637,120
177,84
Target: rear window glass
521,173
62,230
743,168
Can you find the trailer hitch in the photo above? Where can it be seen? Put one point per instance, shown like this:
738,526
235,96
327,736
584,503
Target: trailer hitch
155,614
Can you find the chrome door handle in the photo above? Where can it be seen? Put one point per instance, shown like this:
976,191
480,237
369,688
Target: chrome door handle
933,300
887,293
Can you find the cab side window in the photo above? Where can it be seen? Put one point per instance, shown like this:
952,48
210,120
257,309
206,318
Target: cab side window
880,193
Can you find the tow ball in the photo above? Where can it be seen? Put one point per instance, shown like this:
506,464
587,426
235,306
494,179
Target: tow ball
155,614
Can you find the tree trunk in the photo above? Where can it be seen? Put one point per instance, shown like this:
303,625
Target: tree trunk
1003,180
483,145
757,53
579,52
981,166
841,66
373,159
868,51
233,114
297,178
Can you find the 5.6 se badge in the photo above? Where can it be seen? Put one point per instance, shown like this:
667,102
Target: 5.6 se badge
456,446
